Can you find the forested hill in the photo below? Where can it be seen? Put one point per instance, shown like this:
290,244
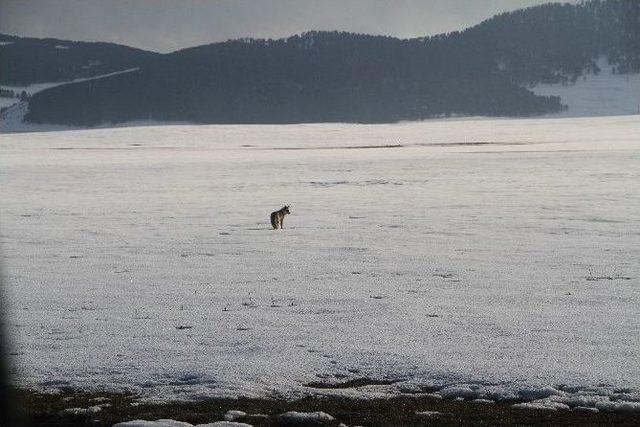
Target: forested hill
25,61
557,43
336,76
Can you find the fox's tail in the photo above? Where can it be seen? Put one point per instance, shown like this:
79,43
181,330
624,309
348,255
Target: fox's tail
274,222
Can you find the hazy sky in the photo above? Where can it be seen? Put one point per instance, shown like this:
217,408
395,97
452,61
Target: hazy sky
165,25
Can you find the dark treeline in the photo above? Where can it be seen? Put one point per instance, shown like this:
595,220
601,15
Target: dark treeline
337,76
24,61
557,43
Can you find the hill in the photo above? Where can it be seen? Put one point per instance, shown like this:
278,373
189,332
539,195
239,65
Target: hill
25,61
343,77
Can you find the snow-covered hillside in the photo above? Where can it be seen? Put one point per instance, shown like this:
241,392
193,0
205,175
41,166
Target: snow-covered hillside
605,94
492,258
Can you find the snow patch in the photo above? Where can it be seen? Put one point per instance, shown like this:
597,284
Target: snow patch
158,423
618,406
174,423
581,399
224,424
434,396
234,415
539,393
7,102
306,418
541,404
82,411
429,414
604,94
484,401
586,409
458,391
38,87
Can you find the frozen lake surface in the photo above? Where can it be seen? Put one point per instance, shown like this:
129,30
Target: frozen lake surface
480,258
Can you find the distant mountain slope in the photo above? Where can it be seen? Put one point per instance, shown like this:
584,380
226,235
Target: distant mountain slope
25,61
557,43
595,95
335,76
318,77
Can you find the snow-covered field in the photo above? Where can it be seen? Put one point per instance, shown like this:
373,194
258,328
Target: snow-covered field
486,259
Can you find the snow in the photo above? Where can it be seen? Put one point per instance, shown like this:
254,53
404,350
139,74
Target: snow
503,252
580,399
6,43
7,102
83,411
618,406
174,423
597,95
157,423
429,414
234,415
224,424
539,393
12,119
38,87
305,418
547,405
586,409
61,46
484,401
598,403
458,392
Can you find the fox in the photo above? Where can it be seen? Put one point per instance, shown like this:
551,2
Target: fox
277,217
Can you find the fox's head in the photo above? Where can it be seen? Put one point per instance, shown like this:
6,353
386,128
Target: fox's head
286,210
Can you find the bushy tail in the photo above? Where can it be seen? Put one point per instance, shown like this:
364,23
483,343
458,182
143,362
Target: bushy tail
274,221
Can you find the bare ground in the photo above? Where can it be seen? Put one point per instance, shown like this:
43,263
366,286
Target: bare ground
43,409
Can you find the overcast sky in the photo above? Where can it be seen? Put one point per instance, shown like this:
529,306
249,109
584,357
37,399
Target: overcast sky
166,25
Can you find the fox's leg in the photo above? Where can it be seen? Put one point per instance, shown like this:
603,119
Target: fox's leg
282,222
